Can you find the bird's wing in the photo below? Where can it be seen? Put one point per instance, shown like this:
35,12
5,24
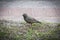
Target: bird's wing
30,19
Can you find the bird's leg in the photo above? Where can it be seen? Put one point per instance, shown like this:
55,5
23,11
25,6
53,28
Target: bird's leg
31,24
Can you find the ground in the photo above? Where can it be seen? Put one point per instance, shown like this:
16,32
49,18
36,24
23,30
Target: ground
10,30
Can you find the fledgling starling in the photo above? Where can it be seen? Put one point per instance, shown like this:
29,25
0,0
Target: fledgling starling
29,20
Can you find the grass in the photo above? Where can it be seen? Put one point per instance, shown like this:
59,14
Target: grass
24,31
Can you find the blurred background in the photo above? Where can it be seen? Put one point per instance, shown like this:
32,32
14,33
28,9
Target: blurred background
42,10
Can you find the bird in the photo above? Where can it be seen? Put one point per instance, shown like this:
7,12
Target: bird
29,19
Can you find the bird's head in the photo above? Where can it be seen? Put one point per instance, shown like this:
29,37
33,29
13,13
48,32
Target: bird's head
24,15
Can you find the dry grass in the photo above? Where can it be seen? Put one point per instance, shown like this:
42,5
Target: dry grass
23,31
